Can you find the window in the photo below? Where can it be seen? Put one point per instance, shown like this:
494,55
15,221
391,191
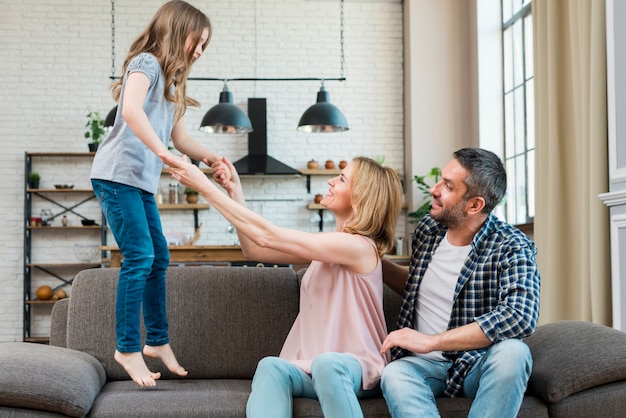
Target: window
519,108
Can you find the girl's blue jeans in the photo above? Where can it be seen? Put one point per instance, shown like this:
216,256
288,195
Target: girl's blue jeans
335,381
497,383
133,217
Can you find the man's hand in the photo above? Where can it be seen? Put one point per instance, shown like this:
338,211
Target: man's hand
411,340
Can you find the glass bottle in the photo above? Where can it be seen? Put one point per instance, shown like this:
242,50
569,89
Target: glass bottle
173,195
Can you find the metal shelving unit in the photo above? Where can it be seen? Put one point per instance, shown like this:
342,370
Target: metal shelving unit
59,271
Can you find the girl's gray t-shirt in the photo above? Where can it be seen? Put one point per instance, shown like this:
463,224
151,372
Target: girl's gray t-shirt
122,157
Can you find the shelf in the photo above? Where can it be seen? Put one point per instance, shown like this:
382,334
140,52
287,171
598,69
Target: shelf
183,206
205,170
308,172
189,253
41,302
400,259
60,154
40,340
59,190
320,172
79,265
65,227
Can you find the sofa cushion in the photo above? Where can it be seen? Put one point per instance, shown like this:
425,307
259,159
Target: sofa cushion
222,320
58,323
48,378
571,356
599,401
174,398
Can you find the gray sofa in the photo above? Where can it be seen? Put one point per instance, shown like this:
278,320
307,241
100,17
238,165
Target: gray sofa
222,321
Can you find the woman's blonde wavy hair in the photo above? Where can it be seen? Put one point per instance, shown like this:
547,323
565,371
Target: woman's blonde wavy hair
376,203
165,37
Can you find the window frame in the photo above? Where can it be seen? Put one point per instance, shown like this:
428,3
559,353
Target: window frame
519,150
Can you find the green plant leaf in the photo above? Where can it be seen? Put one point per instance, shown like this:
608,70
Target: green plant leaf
424,184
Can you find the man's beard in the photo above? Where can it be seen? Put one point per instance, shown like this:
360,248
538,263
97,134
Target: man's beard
451,216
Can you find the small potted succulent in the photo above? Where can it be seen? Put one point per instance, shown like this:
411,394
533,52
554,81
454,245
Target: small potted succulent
95,130
191,195
33,180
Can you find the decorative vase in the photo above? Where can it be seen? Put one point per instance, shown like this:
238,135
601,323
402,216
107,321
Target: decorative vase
192,198
330,164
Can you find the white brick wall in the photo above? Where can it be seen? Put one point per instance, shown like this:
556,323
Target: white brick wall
55,57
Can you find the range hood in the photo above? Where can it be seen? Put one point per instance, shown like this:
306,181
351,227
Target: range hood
257,161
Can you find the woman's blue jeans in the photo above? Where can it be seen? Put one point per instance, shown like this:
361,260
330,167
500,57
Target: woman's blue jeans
335,381
497,383
133,217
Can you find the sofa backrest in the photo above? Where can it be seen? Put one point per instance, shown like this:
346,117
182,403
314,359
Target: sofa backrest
222,321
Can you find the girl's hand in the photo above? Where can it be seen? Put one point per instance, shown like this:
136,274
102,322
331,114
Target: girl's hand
230,182
221,173
185,173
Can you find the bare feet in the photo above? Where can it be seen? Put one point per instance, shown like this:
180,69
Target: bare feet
136,368
166,355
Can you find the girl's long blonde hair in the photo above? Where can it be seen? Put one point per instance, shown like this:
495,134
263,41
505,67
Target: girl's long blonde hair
165,37
376,203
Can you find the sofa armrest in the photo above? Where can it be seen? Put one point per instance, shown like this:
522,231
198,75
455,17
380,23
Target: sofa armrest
47,378
571,356
58,323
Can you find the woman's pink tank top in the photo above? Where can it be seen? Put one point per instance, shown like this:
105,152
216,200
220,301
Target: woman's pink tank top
340,311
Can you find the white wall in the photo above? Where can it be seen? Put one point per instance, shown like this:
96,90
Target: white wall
441,104
55,58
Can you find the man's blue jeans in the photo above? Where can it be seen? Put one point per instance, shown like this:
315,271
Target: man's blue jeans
497,383
335,381
133,217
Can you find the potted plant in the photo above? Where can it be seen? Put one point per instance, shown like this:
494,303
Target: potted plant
33,180
191,195
95,130
424,184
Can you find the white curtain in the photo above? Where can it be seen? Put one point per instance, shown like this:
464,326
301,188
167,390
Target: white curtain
571,223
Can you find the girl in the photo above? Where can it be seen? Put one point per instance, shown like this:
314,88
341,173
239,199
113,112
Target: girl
125,175
332,352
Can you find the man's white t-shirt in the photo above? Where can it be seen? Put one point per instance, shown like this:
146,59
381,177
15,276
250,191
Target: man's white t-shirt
436,293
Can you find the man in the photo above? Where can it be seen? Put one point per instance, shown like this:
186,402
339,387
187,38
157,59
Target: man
472,294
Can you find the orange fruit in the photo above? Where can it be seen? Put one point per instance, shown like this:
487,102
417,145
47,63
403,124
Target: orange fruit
44,292
60,294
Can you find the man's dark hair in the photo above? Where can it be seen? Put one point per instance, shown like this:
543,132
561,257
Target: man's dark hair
487,176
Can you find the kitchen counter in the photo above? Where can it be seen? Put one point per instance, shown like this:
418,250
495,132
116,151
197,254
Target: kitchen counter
211,254
189,254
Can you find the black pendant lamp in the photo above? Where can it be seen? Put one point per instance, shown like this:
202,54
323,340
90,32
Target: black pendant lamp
110,119
225,117
323,116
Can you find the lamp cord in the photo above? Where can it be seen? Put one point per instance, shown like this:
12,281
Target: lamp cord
225,80
341,41
112,39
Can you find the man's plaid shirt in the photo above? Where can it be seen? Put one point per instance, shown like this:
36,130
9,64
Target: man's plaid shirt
498,288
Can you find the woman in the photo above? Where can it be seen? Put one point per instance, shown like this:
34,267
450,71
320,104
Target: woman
126,171
332,352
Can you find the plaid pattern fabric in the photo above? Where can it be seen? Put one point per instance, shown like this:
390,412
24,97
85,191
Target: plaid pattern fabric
498,288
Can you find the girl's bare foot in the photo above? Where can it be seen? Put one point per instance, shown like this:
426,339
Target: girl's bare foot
136,368
166,355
